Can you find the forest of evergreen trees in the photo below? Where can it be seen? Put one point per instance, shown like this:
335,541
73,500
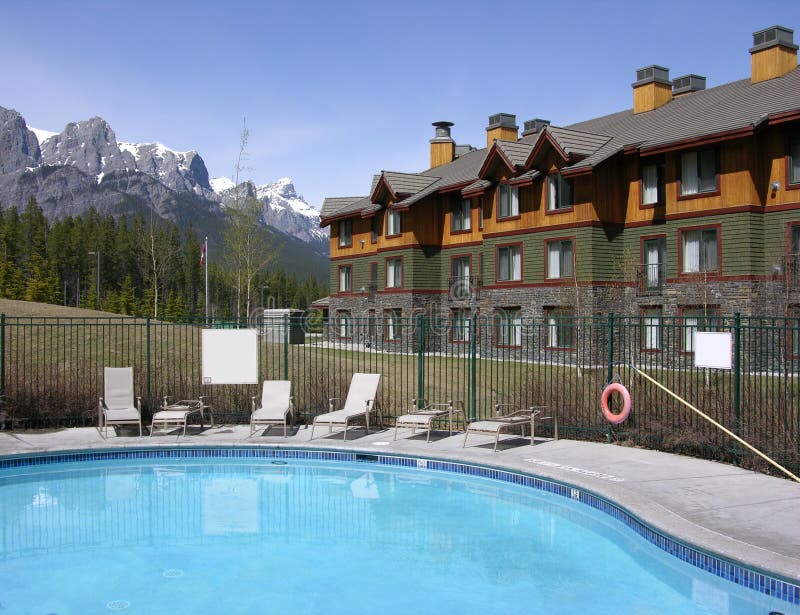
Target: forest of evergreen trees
56,262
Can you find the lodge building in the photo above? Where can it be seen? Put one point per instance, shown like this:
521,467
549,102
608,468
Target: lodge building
688,204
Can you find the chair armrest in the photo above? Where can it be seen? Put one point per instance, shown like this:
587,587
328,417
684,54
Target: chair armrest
331,400
457,405
498,406
253,402
165,401
139,405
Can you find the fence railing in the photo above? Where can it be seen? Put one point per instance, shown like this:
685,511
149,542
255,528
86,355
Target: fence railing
51,371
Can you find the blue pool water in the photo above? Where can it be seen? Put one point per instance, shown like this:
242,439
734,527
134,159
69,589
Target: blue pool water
241,536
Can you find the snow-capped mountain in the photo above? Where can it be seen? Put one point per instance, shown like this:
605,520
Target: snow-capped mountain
85,166
282,207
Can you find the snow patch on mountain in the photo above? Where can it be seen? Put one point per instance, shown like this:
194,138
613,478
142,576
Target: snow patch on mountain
42,135
221,184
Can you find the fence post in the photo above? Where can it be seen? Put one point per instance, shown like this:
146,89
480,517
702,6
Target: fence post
147,354
2,354
420,356
473,342
737,380
286,347
610,374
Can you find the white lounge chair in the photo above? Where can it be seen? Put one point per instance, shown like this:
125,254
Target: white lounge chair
276,405
360,402
175,415
506,422
116,407
423,414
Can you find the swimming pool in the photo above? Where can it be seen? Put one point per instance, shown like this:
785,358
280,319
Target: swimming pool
259,530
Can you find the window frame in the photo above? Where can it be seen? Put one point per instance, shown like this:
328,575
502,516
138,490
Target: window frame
699,194
374,230
348,268
402,273
568,313
346,317
480,213
502,323
661,183
553,182
465,325
717,228
396,316
510,190
643,241
710,319
505,246
792,139
346,224
393,214
547,244
643,335
459,206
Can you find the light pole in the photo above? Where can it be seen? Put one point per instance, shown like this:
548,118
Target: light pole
97,300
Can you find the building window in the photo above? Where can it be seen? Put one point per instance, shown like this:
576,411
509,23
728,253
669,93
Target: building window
394,273
344,324
393,325
698,172
653,184
700,251
560,259
509,327
345,279
375,228
345,233
794,160
653,259
509,263
696,319
559,192
392,223
373,276
560,327
651,328
459,325
460,218
507,201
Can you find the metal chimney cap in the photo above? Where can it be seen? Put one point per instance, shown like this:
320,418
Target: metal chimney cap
534,125
502,120
651,74
772,37
442,131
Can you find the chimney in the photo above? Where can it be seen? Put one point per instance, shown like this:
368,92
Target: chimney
501,126
773,53
652,88
442,145
687,84
531,127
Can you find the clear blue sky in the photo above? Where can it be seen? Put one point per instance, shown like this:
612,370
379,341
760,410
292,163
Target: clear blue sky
336,91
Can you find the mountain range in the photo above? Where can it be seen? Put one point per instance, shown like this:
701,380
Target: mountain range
84,166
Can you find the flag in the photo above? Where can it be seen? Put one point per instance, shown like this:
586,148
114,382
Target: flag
203,255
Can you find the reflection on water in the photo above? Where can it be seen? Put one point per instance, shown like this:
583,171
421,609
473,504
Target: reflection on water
473,530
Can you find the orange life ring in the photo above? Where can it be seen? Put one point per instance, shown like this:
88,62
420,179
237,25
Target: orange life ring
616,419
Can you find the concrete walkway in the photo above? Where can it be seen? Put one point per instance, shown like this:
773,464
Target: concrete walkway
740,515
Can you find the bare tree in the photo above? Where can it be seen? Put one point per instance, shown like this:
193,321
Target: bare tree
156,257
245,236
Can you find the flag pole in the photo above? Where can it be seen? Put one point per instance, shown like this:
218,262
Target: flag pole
205,250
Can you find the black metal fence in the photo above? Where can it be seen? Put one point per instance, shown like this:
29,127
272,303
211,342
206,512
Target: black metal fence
51,371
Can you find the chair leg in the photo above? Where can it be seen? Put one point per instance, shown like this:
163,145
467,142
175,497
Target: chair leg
466,435
313,426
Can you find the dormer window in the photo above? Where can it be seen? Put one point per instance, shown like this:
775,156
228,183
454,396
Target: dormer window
559,192
507,201
392,223
375,228
345,233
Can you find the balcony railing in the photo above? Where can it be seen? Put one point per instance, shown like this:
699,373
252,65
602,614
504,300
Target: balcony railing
464,288
650,279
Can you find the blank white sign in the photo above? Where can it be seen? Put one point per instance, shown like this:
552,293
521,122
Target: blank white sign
713,350
230,356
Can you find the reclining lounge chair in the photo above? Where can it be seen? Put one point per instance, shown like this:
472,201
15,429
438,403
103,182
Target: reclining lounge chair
116,407
508,422
276,406
423,415
360,402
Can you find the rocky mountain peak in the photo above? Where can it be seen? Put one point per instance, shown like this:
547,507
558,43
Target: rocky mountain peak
19,147
90,146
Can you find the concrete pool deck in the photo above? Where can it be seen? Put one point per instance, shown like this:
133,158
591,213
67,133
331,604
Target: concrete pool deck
739,515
